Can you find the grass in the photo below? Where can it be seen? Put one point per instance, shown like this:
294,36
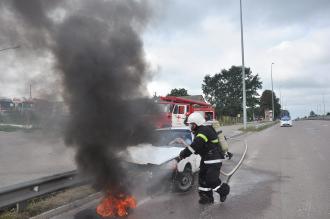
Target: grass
46,203
8,128
258,128
12,128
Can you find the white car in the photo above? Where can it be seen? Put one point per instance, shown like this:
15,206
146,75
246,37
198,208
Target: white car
286,121
158,160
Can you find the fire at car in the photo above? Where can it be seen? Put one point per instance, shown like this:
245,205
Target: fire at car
112,206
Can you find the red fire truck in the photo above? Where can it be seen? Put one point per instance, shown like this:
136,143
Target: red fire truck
175,111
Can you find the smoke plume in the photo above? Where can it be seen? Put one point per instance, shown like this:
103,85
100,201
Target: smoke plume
99,54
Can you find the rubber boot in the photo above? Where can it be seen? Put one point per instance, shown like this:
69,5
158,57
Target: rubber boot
223,191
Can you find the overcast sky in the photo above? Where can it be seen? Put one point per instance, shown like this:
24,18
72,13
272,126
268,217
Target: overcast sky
193,38
188,39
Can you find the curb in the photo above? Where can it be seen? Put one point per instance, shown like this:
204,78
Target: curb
246,133
68,207
237,135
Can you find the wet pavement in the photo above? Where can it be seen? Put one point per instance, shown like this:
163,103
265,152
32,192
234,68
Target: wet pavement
26,156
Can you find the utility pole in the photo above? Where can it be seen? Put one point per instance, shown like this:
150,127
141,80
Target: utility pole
281,98
323,104
271,76
243,68
30,91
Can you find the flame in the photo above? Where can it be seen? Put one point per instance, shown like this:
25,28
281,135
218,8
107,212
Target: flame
111,206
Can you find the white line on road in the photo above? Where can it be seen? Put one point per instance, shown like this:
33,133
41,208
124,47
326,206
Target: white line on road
143,201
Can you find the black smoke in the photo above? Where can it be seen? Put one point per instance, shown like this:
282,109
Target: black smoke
99,54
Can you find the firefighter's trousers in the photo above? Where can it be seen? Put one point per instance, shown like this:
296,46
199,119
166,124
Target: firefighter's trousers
209,179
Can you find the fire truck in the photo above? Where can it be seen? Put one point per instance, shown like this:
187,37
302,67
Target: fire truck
175,111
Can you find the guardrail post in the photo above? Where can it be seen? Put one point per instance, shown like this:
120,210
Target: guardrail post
21,206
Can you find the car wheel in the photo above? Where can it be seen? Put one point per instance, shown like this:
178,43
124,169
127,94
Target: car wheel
184,180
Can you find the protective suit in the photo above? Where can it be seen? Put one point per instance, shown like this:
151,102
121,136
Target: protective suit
206,144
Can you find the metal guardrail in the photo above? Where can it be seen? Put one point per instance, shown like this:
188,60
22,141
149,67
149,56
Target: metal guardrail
20,193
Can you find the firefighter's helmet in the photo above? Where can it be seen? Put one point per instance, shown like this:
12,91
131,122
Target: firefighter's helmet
196,118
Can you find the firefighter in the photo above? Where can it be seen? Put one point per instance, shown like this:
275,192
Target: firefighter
206,144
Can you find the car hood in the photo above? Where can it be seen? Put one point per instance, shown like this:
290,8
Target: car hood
148,154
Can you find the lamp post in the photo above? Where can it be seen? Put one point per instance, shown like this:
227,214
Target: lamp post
271,76
323,105
243,69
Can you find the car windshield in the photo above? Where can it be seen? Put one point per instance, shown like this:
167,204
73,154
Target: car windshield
166,136
285,119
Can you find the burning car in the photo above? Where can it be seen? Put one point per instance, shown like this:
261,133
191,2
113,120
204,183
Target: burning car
156,161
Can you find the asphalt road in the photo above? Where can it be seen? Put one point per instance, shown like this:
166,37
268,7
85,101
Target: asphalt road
26,156
285,175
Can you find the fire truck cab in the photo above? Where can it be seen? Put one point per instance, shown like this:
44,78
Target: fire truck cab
177,109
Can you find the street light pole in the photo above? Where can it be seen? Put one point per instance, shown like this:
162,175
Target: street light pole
271,76
323,104
243,69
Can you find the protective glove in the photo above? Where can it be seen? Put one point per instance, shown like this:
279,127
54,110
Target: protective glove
228,155
185,153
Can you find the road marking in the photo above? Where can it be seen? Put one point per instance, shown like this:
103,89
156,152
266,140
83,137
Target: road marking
143,201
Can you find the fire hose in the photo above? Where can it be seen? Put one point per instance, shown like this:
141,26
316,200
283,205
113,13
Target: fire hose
231,173
228,175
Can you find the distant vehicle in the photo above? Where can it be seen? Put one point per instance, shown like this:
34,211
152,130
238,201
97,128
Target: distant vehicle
286,121
175,111
6,105
157,160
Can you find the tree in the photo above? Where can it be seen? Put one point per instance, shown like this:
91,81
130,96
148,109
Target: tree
312,114
266,103
328,114
257,113
178,92
225,90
